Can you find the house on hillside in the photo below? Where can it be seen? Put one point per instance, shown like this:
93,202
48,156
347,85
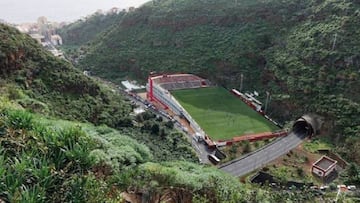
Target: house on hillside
56,40
39,38
323,167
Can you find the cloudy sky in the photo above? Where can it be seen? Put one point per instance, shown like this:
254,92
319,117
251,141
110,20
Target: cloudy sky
20,11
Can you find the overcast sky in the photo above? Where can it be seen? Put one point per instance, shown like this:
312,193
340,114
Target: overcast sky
20,11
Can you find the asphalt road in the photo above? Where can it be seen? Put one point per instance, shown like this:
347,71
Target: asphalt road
261,157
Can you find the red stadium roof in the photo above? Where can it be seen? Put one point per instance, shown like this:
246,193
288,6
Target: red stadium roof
175,78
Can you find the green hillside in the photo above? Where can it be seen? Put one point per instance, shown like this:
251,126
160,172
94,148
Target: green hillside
85,30
221,115
47,159
38,81
33,79
65,137
56,146
305,53
202,36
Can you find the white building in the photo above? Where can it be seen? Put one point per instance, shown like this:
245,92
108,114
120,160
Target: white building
38,37
56,40
324,166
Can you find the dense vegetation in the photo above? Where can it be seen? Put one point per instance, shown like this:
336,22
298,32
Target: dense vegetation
84,30
38,81
317,69
79,162
305,53
34,79
44,164
46,159
217,39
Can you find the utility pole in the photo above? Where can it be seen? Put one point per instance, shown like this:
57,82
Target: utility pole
334,42
241,81
267,101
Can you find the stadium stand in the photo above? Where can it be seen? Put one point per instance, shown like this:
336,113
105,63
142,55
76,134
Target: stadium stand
158,88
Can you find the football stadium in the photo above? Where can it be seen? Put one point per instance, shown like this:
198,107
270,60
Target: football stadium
211,111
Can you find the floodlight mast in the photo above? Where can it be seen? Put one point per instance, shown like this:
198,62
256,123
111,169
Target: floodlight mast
241,81
267,101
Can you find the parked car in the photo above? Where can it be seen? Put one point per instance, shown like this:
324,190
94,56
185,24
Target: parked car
213,159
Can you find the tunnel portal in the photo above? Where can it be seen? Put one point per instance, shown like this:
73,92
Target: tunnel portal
308,125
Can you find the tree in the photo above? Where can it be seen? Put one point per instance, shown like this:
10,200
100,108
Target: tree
169,124
247,147
300,172
353,174
155,128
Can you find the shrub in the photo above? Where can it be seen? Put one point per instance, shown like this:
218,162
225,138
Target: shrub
19,119
14,93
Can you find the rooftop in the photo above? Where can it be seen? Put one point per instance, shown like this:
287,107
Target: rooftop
325,163
176,78
131,86
37,36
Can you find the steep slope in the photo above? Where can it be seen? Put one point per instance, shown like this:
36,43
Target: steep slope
315,68
217,39
305,53
40,82
82,31
52,160
36,80
44,163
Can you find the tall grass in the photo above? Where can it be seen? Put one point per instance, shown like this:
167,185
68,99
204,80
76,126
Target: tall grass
37,162
44,161
19,119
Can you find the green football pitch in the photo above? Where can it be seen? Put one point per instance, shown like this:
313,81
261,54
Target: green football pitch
220,114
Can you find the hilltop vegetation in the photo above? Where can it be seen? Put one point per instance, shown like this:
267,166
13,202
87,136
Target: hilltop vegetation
217,39
38,81
84,30
305,53
316,68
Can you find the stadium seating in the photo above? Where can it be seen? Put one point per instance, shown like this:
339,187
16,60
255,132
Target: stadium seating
180,81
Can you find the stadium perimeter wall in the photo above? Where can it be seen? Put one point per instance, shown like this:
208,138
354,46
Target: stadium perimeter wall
164,97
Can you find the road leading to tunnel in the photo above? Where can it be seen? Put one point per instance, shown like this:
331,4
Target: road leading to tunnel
257,159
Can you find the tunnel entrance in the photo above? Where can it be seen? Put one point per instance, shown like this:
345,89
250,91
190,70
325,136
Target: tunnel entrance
302,127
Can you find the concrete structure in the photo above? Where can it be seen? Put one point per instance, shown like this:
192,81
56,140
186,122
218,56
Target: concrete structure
57,53
138,110
56,40
309,124
158,88
131,85
38,37
323,167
